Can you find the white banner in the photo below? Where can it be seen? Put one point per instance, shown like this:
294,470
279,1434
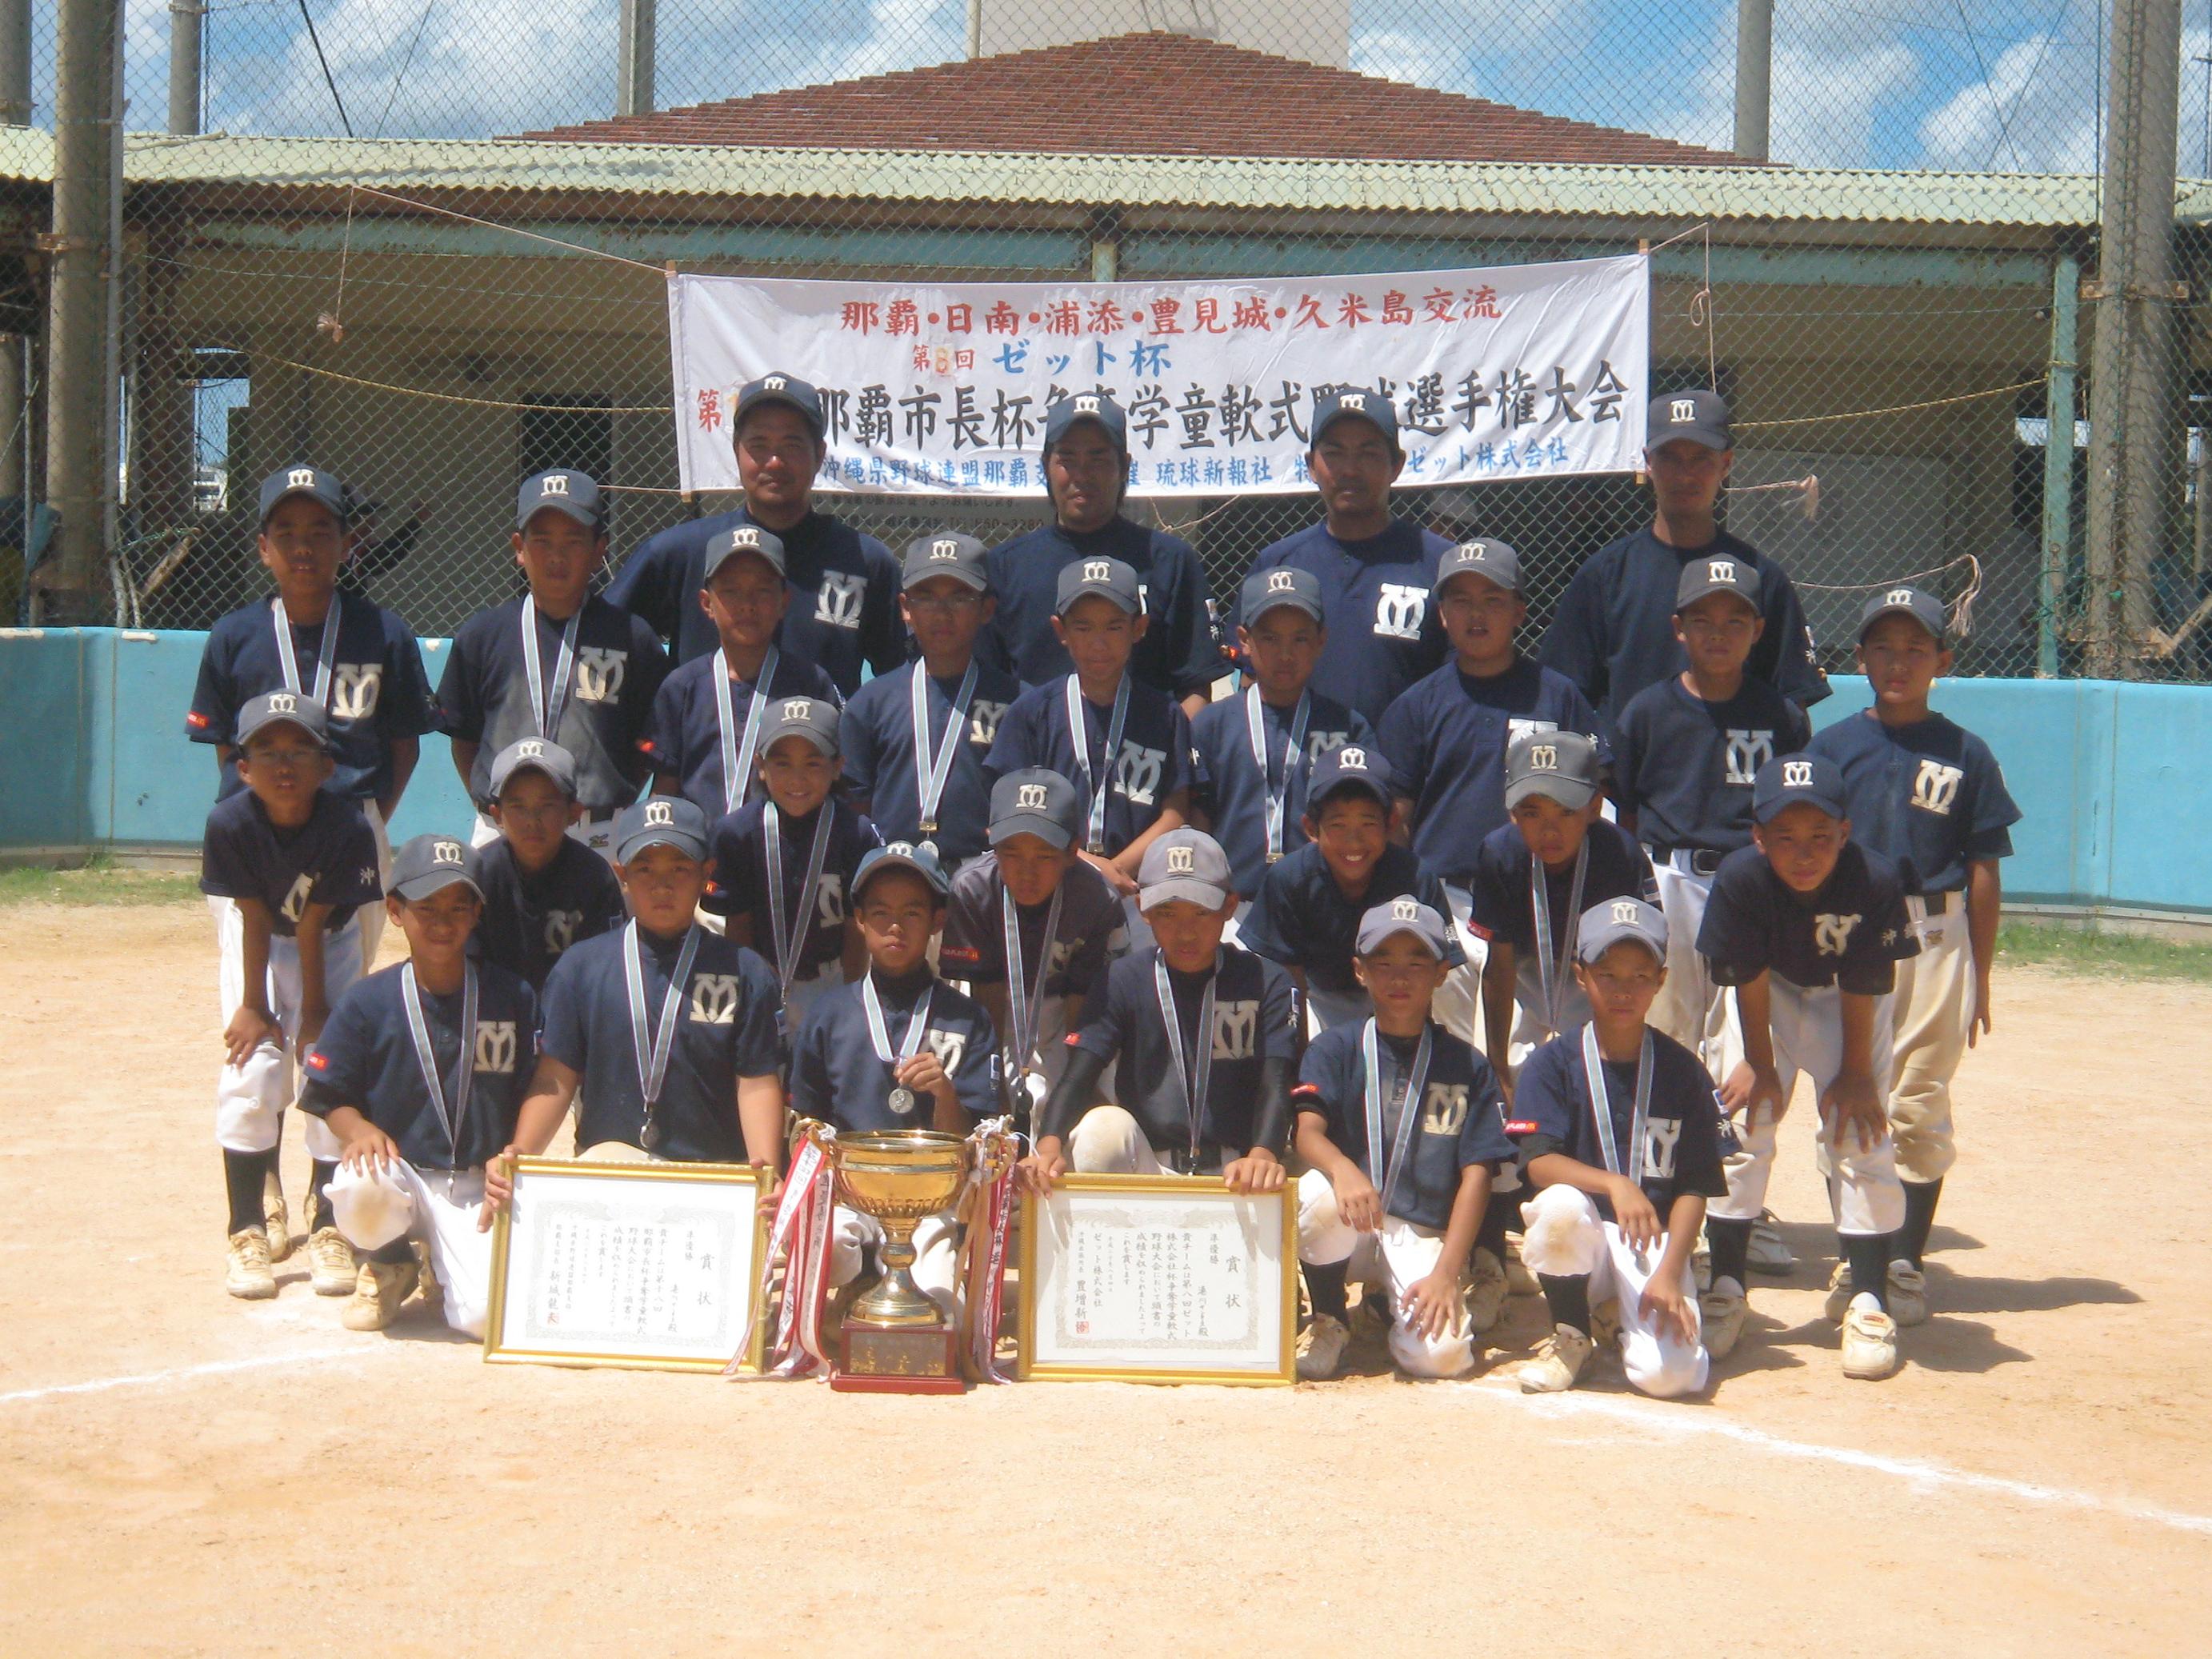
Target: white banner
1513,372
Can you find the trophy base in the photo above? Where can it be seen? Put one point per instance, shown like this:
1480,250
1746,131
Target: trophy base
917,1360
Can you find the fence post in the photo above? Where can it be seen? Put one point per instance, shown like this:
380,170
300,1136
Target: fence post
2057,462
634,61
1754,69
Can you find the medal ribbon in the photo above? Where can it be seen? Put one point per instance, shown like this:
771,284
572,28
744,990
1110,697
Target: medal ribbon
1279,800
547,704
917,1023
652,1047
325,653
1025,1002
737,754
1078,735
1202,1060
452,1111
787,946
1551,966
1601,1100
1391,1164
932,769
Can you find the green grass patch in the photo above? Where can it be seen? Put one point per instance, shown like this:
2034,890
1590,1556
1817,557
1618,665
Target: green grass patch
98,883
2104,955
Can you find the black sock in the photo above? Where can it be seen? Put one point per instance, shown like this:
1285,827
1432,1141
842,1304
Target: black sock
1568,1298
396,1252
1920,1197
1499,1216
1728,1244
318,1196
243,1174
1868,1256
1325,1289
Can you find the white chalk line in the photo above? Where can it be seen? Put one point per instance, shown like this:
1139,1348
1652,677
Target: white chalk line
182,1373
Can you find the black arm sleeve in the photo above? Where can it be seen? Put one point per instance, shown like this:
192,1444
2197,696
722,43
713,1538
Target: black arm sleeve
1064,1107
1271,1118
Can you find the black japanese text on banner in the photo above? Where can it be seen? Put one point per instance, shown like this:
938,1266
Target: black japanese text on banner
1508,372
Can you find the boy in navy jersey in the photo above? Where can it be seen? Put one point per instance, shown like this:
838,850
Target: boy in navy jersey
1808,927
704,737
559,664
1204,1038
420,1073
1254,751
291,861
1126,746
917,739
1307,914
1922,790
897,1050
542,890
1400,1128
1619,1129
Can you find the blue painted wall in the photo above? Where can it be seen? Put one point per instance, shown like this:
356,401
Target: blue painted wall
92,752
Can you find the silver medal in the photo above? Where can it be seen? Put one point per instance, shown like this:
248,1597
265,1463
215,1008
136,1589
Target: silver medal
902,1101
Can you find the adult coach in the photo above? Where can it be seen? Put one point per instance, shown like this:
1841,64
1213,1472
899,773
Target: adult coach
1613,633
1086,471
844,586
1374,570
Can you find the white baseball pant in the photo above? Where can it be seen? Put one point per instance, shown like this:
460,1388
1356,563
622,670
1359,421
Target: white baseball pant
1109,1140
1458,1004
436,1207
1530,1031
1690,1008
1392,1261
1934,1012
596,833
1327,1008
1566,1238
250,1099
853,1234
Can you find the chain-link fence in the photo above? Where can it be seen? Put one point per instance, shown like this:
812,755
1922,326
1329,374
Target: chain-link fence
344,267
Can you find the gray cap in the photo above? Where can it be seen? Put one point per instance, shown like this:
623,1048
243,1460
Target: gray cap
1184,864
814,719
1402,915
945,553
1922,607
1106,579
1560,766
917,856
1035,801
1702,576
1357,402
564,491
661,821
741,539
1282,584
1493,561
1349,766
1093,406
309,481
1701,416
430,864
777,387
282,708
535,755
1604,925
1789,780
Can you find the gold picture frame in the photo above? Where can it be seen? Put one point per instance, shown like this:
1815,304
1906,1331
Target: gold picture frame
1034,1227
498,1350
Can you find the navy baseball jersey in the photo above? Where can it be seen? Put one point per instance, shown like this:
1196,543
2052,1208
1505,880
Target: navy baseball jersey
877,735
1233,791
531,917
844,594
1153,763
1853,932
1301,918
1256,1018
729,1024
365,1059
1461,1121
1681,1127
484,695
1179,653
376,693
1091,929
1684,766
739,885
329,859
1931,795
1446,740
1613,632
1500,904
836,1076
1383,630
683,738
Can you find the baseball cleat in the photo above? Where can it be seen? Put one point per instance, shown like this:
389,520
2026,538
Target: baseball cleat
1321,1350
247,1276
1605,1323
1518,1279
1908,1294
1722,1310
1840,1294
1370,1319
275,1216
1767,1253
377,1291
331,1268
1869,1340
1486,1291
1701,1266
425,1280
1558,1363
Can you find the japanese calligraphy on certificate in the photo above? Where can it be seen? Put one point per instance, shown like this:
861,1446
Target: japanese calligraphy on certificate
1504,372
647,1264
1144,1279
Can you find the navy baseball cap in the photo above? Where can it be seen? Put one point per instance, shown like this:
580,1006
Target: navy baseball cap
575,494
1789,780
1284,584
1560,766
945,553
283,709
1616,920
1402,915
1035,801
535,755
1922,607
746,538
309,481
1349,766
661,821
1357,403
430,864
917,856
1087,406
1701,416
1107,579
814,719
1701,577
777,387
1493,561
1184,864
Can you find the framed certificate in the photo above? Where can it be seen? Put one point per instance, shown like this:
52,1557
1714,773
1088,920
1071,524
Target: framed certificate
653,1266
1158,1279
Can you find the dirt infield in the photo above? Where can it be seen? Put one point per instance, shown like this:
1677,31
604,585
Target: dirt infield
183,1473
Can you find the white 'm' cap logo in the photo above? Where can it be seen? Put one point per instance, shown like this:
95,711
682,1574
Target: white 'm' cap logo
284,703
1355,401
658,814
798,709
902,848
1029,798
555,483
1682,408
1352,759
1098,570
1281,581
1086,405
746,535
1179,862
946,549
446,852
1544,757
1405,909
1898,596
300,478
1624,912
1720,570
1796,774
774,383
1475,550
532,750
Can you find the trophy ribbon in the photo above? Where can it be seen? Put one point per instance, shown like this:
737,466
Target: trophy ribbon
804,1211
989,1215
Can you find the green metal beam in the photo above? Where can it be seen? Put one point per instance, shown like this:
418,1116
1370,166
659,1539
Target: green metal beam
2057,463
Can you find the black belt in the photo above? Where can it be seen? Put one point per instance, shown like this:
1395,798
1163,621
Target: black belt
1703,860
